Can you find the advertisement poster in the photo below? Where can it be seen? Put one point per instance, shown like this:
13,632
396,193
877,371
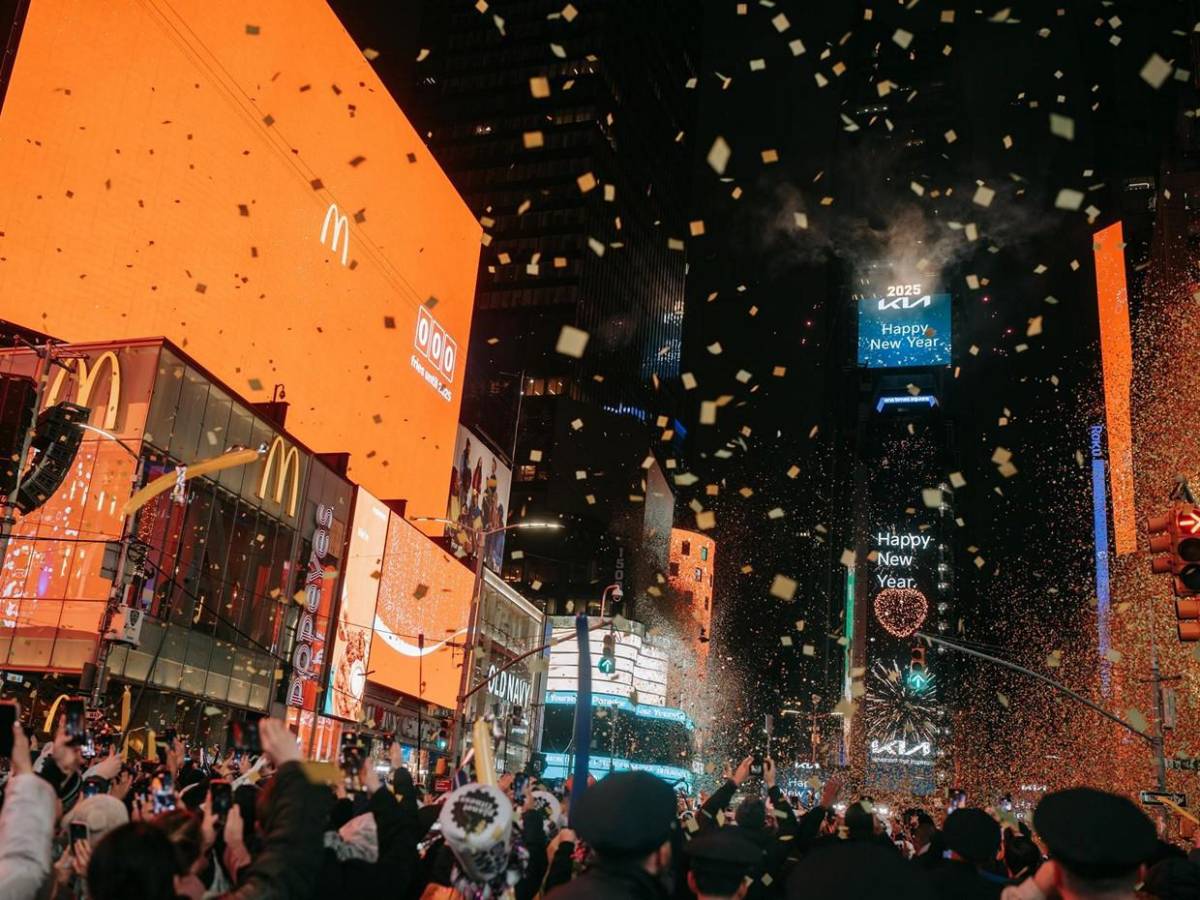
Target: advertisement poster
352,638
479,488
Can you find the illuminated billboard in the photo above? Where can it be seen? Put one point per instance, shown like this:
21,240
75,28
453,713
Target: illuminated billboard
641,666
421,617
904,329
360,589
235,177
1116,356
479,488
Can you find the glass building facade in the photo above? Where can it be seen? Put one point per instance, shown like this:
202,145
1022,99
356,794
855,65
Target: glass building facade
223,585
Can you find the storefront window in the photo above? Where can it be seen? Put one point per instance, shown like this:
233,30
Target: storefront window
189,419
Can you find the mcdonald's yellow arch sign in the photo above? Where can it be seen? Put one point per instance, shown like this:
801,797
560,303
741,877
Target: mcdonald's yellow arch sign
289,473
86,381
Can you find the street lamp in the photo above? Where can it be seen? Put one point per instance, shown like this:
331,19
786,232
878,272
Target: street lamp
480,536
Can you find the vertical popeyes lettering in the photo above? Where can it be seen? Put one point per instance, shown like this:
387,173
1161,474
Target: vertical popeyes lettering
306,666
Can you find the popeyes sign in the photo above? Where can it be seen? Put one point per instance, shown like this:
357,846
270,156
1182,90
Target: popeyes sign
308,657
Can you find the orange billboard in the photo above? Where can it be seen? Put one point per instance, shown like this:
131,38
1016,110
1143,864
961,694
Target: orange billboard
235,177
421,617
1116,354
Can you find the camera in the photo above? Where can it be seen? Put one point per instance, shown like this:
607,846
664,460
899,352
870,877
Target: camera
76,721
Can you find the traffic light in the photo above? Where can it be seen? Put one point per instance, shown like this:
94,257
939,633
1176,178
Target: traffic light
1176,536
56,440
608,655
443,738
918,673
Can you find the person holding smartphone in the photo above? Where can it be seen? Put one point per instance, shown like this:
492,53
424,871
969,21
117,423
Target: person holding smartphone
27,817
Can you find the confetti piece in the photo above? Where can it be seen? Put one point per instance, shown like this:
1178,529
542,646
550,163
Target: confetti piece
539,87
1155,71
1062,126
533,139
718,155
586,182
783,587
571,341
1069,199
902,38
983,196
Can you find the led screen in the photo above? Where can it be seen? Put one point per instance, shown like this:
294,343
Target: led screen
421,617
360,589
235,177
896,332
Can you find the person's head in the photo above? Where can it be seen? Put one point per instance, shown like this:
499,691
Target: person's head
184,829
101,814
1097,843
972,835
860,820
628,818
1021,855
919,825
751,813
133,860
720,862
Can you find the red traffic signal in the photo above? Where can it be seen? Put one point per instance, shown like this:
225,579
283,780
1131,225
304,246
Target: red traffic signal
918,659
1176,536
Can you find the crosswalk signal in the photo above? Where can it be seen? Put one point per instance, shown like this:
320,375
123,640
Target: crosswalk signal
608,655
918,672
1175,538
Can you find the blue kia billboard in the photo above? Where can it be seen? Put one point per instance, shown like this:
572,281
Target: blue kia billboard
903,330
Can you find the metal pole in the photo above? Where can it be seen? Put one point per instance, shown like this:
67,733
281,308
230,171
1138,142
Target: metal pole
1159,739
583,716
460,712
1059,686
420,704
7,521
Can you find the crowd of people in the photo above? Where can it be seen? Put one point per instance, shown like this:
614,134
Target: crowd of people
178,823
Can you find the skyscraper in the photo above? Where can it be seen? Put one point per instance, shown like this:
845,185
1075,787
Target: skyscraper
566,130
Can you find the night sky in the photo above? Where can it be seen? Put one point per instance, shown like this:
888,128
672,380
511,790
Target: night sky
773,294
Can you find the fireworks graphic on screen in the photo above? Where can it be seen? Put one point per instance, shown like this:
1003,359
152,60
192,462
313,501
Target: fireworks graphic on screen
901,703
901,610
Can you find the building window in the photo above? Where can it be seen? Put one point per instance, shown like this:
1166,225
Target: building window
526,473
556,386
686,549
699,574
704,553
673,568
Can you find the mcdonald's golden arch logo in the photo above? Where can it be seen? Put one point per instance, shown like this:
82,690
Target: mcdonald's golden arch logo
291,467
86,381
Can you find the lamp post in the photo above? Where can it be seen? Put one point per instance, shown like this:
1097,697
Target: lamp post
480,537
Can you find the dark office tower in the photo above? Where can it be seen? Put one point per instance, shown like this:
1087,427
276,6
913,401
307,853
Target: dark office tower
567,131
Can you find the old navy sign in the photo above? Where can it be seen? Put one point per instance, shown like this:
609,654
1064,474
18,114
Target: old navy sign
508,687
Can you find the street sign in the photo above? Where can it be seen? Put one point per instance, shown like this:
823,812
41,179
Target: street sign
441,785
1156,798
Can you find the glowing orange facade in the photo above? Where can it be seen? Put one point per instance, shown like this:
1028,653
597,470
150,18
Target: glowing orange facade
234,176
1116,352
691,571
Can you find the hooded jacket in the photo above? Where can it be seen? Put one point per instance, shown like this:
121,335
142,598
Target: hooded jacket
26,829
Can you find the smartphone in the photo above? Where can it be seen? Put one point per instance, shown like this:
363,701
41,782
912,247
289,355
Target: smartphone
355,748
756,765
8,718
168,735
90,788
164,793
519,781
76,713
79,832
221,792
243,736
